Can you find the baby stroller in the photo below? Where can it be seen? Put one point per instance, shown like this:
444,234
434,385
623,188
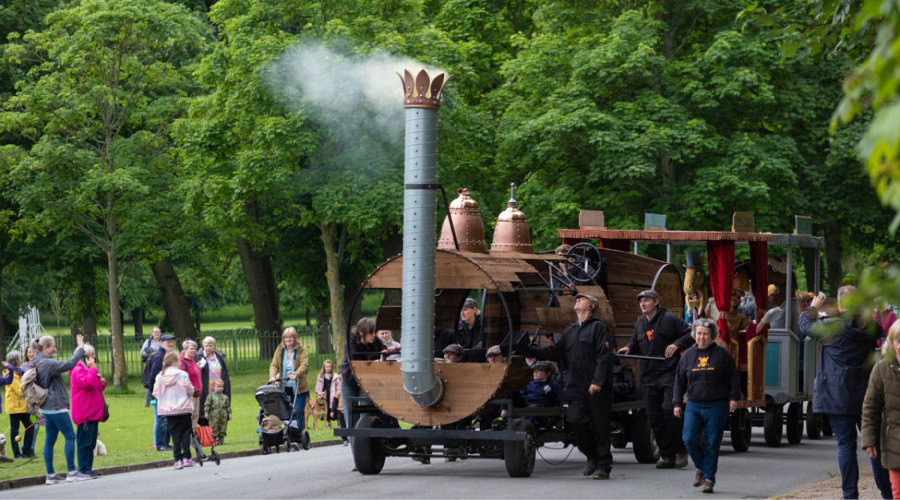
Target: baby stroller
277,423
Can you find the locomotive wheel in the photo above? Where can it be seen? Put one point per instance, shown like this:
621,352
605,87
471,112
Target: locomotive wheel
741,430
795,423
368,453
645,449
773,425
826,425
813,425
519,455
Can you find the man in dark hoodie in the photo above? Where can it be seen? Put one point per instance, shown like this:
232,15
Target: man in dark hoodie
660,334
585,350
842,377
161,428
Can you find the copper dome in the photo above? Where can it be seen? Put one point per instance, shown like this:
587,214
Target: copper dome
466,222
511,233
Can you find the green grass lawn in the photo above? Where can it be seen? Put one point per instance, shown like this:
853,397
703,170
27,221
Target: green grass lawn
128,435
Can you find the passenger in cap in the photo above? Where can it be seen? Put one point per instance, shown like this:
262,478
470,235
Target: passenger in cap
453,353
543,391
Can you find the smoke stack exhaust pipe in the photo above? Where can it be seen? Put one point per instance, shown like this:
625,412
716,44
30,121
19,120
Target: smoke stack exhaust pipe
422,100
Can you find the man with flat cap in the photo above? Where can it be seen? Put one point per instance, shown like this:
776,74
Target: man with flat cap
660,334
585,351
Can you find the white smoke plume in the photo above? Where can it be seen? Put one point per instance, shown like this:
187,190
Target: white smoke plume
337,86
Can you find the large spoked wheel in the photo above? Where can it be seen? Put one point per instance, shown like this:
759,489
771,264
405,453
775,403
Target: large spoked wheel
645,449
586,262
741,430
773,425
519,455
368,453
813,425
795,423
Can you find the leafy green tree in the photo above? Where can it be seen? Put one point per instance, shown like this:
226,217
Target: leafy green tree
97,109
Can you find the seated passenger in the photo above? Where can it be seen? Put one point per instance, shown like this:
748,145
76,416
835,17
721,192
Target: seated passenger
454,353
388,340
495,355
542,391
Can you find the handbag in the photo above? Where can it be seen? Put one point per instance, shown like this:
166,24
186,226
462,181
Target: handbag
105,410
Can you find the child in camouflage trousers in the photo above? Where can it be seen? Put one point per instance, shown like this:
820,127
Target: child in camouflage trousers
218,410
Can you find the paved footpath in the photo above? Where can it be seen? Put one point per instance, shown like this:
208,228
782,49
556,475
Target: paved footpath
325,473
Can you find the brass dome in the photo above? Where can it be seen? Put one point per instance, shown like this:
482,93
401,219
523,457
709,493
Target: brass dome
511,233
466,222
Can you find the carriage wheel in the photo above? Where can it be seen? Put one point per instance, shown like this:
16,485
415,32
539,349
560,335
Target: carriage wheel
264,449
519,455
215,456
741,430
795,423
773,424
645,449
813,425
368,453
304,439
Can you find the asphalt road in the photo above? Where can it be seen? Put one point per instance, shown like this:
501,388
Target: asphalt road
326,473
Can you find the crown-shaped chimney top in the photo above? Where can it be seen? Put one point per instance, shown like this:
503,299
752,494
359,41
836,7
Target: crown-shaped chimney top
423,92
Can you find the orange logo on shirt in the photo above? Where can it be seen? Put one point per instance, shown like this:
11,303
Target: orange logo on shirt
650,335
704,362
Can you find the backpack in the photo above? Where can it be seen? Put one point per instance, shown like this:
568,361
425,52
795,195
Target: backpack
35,395
145,375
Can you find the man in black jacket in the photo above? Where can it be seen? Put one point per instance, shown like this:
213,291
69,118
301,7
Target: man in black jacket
585,351
661,334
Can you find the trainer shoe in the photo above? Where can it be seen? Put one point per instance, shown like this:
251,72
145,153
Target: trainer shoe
707,486
164,448
589,467
698,478
681,460
178,465
54,479
188,462
665,463
601,474
73,476
95,475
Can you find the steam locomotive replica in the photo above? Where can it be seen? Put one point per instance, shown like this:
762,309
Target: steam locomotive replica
524,297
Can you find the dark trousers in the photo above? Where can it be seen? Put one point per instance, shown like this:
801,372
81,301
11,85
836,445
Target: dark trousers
666,427
845,428
704,424
590,416
180,429
86,440
28,442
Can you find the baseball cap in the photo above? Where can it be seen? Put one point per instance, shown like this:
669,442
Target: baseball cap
544,366
650,294
470,302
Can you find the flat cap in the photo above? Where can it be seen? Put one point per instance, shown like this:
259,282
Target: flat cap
650,294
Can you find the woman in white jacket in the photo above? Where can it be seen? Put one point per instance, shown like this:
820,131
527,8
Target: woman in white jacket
173,392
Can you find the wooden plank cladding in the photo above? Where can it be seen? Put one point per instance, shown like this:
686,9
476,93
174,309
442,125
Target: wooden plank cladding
467,387
661,236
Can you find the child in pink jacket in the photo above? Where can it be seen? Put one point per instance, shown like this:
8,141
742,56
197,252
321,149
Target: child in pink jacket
87,408
173,392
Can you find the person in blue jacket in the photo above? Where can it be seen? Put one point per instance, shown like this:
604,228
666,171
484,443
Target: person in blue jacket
543,391
842,376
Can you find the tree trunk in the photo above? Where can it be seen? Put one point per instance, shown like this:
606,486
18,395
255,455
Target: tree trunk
137,317
4,331
174,301
89,327
833,256
120,370
265,304
333,237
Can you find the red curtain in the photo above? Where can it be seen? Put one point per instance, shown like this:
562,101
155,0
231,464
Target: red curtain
613,244
759,258
721,276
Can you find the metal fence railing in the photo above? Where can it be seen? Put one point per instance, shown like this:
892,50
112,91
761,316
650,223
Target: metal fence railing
241,347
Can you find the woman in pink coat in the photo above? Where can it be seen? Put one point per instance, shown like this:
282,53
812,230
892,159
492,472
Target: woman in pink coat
87,408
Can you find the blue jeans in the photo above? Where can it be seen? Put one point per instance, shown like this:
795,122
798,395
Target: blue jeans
56,423
704,424
86,438
299,403
160,428
845,427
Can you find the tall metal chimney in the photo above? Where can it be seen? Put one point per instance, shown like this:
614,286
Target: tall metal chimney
422,100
